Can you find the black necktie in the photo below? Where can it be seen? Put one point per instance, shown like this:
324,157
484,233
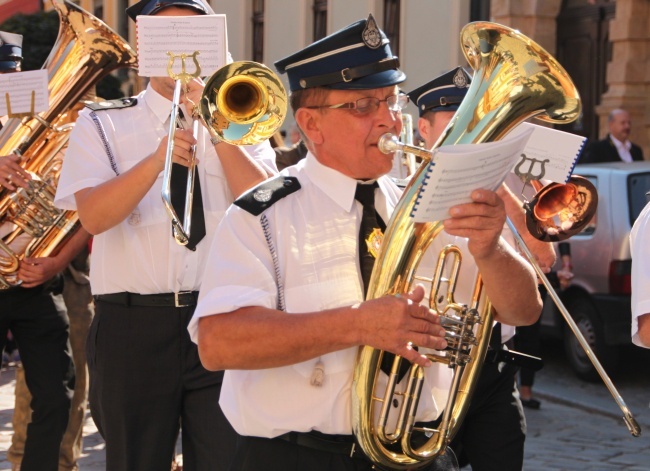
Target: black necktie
370,223
178,193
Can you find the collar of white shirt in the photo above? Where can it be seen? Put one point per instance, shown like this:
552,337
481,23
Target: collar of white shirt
340,188
623,148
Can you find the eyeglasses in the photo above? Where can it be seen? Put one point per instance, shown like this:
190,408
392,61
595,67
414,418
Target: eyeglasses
370,104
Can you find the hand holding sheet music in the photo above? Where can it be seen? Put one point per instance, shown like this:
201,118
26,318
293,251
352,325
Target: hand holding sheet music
455,171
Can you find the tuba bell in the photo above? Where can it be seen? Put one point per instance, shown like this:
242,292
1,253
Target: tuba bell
86,50
514,79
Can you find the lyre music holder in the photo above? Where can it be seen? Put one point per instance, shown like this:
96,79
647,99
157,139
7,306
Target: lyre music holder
181,231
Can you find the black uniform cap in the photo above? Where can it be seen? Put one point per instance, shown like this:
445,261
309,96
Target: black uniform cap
443,93
151,7
356,57
11,51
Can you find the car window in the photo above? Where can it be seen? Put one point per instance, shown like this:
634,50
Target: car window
637,186
590,228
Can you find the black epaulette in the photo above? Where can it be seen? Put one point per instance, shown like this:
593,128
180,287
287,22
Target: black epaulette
111,104
268,193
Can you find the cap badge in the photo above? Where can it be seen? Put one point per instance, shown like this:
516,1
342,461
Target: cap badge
460,80
371,34
263,195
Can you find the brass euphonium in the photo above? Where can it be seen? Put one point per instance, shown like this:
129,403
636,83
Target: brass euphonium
85,51
514,79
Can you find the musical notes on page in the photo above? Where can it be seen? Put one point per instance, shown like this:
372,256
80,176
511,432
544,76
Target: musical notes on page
24,93
455,171
187,42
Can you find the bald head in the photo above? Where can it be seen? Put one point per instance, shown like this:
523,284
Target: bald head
620,124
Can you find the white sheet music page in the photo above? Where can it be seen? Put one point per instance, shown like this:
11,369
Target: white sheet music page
549,154
19,86
457,170
202,38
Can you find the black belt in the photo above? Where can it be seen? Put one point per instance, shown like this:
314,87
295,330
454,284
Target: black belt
182,299
338,444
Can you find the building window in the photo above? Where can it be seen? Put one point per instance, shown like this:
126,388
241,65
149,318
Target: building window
391,23
320,19
258,30
98,9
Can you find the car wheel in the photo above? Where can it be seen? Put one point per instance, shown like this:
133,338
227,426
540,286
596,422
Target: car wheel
585,316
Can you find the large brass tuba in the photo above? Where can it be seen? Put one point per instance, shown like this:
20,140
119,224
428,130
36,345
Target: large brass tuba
85,51
514,79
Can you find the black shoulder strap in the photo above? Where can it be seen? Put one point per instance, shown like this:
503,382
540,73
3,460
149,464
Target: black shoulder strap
118,104
268,193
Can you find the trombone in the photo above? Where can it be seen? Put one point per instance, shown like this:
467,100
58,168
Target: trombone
243,103
580,196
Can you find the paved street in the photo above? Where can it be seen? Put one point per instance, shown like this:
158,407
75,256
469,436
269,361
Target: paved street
578,427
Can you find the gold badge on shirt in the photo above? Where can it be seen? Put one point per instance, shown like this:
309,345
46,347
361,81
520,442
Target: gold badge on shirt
374,241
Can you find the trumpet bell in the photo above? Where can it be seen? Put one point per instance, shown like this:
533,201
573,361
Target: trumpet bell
244,103
559,211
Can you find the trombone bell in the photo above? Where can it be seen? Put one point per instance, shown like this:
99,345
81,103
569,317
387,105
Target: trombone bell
243,103
559,211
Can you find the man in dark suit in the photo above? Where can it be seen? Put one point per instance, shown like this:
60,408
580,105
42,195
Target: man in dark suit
616,147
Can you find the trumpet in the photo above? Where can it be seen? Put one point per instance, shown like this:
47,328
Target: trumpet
243,103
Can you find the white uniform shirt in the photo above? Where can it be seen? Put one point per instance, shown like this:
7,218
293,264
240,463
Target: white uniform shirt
139,254
315,232
640,248
623,149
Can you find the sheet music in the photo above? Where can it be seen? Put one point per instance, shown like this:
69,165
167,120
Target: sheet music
458,170
158,35
549,151
19,86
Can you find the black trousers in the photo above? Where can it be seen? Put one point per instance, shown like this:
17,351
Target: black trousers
146,383
39,322
256,454
492,435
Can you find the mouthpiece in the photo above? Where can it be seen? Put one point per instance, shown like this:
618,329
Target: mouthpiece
389,143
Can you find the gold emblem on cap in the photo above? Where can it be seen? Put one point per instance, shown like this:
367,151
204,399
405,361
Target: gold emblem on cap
460,80
371,34
374,241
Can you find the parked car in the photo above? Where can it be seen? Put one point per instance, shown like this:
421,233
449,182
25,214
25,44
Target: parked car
599,296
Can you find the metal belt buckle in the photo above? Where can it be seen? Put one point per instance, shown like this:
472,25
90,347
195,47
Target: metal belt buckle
177,301
345,75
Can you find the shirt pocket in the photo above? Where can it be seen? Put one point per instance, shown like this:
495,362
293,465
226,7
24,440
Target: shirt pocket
320,296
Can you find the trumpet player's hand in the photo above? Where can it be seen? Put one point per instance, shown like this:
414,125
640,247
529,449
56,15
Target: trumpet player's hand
36,271
12,175
480,221
183,149
396,323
